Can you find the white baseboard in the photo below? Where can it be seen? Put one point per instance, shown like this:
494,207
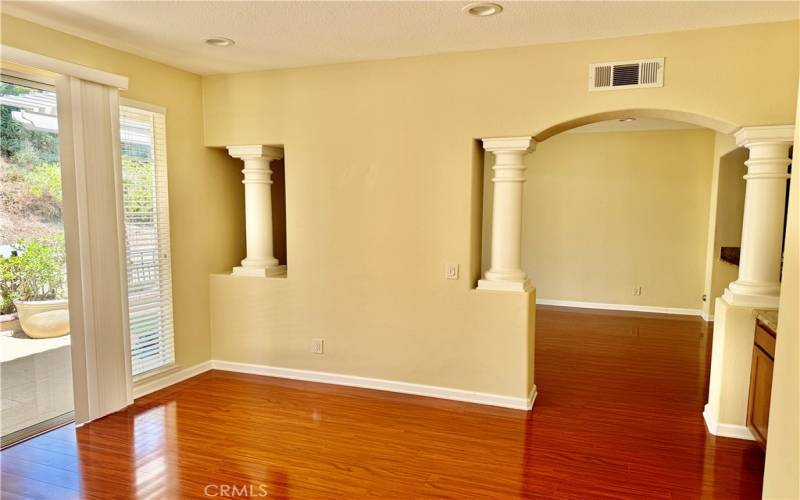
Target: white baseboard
168,378
620,307
531,398
707,317
726,430
380,384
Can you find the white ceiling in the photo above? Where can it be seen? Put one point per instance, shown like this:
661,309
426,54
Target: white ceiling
291,34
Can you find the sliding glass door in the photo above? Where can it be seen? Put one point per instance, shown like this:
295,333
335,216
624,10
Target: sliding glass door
35,361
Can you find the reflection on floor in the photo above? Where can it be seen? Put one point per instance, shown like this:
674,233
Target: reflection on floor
35,380
618,415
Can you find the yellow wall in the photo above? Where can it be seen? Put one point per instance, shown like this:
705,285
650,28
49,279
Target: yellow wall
393,332
380,106
637,202
730,171
205,191
782,472
382,189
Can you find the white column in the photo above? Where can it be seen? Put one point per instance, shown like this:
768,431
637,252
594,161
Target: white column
758,284
260,260
506,271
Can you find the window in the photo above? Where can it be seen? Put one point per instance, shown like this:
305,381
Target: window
144,196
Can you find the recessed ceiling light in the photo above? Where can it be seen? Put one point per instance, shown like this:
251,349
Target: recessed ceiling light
626,120
219,41
483,9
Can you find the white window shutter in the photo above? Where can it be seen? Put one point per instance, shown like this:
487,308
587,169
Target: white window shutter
146,207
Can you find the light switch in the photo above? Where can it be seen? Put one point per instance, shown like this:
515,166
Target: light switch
451,271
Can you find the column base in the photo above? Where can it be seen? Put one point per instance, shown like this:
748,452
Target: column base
504,286
260,272
742,294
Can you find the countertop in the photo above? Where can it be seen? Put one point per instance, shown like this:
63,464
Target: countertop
769,317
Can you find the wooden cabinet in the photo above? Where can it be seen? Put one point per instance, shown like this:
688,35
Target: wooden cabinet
761,382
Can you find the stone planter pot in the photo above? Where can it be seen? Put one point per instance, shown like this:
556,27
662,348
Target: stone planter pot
43,319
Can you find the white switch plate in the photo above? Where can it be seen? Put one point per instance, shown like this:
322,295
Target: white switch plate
317,346
451,271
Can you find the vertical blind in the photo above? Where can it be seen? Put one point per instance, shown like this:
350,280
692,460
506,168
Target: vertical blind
144,188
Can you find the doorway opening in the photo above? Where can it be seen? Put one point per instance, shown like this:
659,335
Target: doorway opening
615,215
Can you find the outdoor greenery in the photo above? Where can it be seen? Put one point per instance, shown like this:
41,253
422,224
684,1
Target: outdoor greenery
32,261
138,177
27,147
44,180
36,270
30,175
31,230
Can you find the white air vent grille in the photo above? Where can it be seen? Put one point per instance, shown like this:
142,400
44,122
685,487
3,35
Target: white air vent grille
645,73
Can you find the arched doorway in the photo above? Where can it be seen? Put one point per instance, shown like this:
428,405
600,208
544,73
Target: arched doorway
700,120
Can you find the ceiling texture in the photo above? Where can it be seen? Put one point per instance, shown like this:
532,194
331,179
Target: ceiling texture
272,35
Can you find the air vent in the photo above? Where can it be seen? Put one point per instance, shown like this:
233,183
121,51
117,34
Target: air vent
645,73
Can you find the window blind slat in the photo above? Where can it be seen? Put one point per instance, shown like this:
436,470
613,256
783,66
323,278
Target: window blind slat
146,207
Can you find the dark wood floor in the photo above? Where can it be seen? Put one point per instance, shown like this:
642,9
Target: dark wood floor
618,416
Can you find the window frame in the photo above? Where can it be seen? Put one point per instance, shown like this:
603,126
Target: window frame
172,365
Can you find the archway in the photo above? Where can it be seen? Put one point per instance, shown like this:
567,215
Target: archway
700,120
515,148
758,275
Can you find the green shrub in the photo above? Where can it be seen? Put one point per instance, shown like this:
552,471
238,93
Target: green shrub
22,146
36,271
138,183
44,180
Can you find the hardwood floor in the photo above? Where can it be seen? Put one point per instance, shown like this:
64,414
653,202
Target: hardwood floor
618,416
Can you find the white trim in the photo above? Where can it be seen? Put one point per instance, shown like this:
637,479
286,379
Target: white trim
167,378
28,79
133,103
708,318
531,398
380,384
620,307
39,61
726,430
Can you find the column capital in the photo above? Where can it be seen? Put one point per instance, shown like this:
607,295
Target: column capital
772,134
523,144
256,152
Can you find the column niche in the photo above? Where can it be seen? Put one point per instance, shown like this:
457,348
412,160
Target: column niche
260,260
505,272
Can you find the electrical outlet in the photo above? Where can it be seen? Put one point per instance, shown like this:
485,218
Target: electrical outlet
637,291
317,346
451,271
